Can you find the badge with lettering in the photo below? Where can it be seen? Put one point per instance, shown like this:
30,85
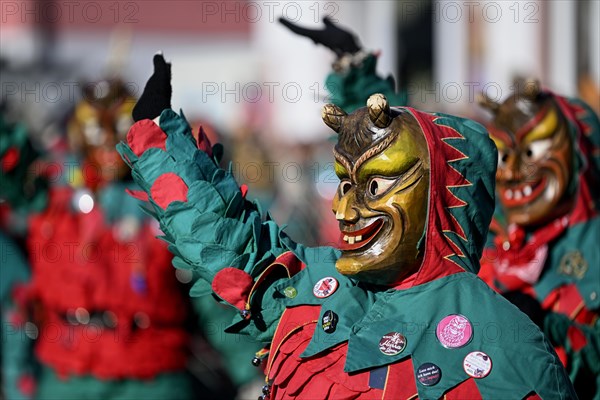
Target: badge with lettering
325,287
477,364
329,321
429,374
393,343
454,331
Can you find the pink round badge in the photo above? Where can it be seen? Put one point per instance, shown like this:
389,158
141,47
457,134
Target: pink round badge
454,331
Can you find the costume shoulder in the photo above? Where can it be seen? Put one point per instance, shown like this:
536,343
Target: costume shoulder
476,336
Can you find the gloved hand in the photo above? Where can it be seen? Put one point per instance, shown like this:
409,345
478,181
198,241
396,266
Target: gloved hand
339,40
157,93
527,305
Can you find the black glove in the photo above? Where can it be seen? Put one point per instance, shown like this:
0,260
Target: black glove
527,305
157,93
339,40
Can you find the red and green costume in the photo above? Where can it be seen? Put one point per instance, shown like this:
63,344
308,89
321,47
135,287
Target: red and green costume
284,291
109,307
558,263
107,314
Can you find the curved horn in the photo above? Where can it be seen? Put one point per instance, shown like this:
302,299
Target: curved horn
332,116
531,89
379,110
486,102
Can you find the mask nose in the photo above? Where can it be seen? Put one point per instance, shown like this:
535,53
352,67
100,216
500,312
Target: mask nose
345,210
511,170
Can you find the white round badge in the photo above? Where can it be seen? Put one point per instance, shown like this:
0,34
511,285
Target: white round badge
477,364
325,287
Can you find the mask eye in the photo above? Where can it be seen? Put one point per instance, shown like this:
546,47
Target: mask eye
502,158
378,186
345,187
537,149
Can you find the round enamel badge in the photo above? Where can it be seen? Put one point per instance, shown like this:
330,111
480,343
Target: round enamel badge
393,343
454,331
477,364
429,374
325,287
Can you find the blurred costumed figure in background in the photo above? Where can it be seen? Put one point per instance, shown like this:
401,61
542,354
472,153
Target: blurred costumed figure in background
108,315
390,314
543,251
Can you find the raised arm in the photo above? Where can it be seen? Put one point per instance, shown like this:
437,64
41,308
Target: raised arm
209,224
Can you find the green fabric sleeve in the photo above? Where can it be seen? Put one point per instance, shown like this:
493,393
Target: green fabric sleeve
216,227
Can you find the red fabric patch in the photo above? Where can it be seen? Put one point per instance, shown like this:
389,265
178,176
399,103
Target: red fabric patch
10,159
566,300
400,383
562,355
137,194
533,396
465,390
244,189
26,385
233,285
144,135
168,188
203,142
21,294
577,338
16,319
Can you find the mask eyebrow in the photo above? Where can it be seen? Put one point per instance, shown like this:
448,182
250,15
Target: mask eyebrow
544,130
501,138
525,129
343,161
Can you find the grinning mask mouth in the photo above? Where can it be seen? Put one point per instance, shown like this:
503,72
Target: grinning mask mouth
381,203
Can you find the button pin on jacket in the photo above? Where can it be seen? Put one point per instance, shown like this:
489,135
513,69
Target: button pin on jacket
325,287
477,364
429,374
329,321
290,292
454,331
392,343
